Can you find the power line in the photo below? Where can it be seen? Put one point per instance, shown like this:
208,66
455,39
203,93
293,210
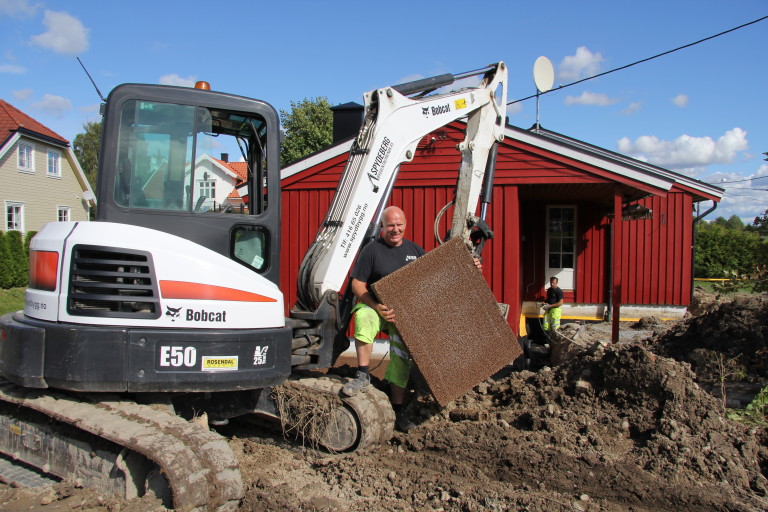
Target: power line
736,181
641,61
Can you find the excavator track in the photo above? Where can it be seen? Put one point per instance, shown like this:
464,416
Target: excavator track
361,421
200,469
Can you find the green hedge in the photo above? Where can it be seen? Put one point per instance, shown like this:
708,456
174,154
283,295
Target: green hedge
14,259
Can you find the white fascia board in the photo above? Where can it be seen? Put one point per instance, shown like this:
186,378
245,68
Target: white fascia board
317,158
206,156
650,177
72,159
8,145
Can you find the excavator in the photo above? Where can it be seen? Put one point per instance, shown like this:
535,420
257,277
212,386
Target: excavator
163,308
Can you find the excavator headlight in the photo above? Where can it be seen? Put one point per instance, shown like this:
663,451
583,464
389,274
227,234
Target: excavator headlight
43,270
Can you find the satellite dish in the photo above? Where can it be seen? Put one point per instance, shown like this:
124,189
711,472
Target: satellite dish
543,74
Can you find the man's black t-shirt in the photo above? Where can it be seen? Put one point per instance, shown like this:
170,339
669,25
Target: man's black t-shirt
379,259
554,295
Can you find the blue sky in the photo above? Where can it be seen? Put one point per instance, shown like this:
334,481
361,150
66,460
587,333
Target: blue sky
702,111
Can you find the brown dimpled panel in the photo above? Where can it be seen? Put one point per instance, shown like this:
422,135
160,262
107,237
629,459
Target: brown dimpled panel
448,318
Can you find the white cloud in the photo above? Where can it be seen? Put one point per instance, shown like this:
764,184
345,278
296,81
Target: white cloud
22,94
174,79
514,108
55,106
583,64
66,34
632,108
681,100
745,196
17,8
686,153
12,69
590,98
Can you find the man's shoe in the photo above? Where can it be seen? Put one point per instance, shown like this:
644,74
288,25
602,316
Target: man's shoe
356,385
403,422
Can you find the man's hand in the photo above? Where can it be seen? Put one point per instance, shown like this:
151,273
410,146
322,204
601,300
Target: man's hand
385,312
478,263
546,307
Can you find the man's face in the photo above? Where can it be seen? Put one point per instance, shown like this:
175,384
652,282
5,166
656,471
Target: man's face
553,283
393,228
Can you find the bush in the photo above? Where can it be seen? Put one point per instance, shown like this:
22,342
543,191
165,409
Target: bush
19,257
6,264
27,241
14,260
723,252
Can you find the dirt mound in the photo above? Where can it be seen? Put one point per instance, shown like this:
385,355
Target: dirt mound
623,430
734,331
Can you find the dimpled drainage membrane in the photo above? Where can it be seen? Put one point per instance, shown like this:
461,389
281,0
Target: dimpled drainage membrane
449,320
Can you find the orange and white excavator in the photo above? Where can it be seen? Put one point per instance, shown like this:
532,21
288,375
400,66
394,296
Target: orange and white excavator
163,308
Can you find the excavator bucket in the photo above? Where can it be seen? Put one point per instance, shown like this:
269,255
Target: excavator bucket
448,318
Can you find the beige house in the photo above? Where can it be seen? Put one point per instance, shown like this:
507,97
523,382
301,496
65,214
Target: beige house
40,178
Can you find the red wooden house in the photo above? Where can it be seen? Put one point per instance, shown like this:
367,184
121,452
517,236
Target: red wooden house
617,232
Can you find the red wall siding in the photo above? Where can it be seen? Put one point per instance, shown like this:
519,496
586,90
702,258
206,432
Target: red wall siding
592,254
657,265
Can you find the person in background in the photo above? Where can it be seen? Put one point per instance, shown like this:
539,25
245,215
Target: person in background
552,307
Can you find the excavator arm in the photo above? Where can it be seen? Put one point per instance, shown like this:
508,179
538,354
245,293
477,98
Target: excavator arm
396,119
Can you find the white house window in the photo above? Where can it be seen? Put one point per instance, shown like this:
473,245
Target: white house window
207,188
63,215
54,163
14,216
26,155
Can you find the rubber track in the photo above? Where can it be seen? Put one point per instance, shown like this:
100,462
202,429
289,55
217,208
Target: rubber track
372,408
199,465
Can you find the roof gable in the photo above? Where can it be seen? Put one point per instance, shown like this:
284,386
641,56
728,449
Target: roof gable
14,120
696,187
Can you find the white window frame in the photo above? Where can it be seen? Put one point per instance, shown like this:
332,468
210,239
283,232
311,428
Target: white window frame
566,275
63,213
56,156
26,151
18,224
208,186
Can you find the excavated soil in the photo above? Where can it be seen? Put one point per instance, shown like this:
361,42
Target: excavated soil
627,427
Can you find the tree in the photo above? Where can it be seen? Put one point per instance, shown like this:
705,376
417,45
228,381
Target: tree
308,127
19,264
86,147
721,251
733,222
6,264
760,225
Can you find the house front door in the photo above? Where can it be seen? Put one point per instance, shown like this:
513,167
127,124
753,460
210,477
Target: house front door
561,245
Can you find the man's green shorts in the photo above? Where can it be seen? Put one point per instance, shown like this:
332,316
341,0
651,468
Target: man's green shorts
552,319
368,324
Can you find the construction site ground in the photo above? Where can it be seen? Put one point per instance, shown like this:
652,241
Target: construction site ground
625,427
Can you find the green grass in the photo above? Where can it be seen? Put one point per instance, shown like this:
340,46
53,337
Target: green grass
11,300
716,287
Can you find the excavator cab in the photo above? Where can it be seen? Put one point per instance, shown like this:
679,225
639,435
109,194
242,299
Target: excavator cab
169,169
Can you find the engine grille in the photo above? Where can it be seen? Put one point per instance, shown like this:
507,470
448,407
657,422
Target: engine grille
112,283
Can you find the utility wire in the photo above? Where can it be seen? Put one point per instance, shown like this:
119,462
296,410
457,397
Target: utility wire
640,61
736,181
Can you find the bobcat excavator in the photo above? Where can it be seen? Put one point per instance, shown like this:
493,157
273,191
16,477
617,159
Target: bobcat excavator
165,308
